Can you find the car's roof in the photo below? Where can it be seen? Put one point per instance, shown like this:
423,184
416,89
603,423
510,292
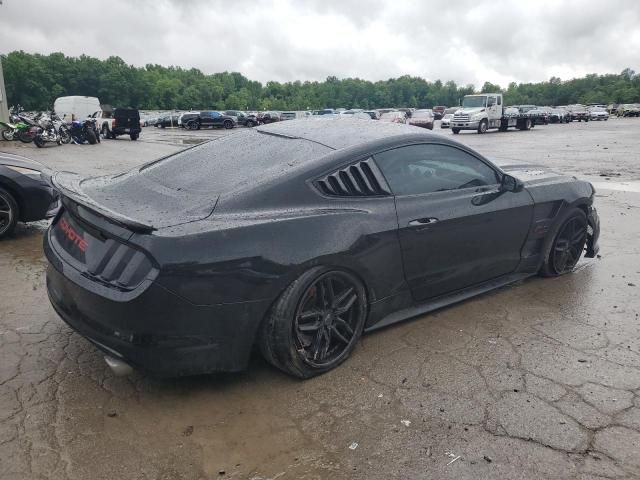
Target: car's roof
341,132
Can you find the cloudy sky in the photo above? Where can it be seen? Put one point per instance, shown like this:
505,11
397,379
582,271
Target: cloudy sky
469,41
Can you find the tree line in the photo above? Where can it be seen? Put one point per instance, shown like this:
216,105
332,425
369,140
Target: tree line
35,81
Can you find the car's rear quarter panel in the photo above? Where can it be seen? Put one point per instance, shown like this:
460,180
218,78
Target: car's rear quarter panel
256,255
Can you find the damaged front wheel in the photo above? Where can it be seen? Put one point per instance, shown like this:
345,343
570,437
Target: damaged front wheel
567,246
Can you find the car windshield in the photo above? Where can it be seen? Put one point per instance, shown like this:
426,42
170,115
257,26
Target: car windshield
474,102
423,114
231,161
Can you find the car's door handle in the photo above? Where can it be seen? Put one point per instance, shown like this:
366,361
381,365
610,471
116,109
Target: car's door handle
419,222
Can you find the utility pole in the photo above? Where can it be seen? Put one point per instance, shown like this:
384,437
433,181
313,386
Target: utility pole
4,109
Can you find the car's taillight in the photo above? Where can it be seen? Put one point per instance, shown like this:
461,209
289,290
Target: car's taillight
113,124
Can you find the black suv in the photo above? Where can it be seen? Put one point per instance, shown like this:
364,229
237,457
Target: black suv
242,118
211,118
126,122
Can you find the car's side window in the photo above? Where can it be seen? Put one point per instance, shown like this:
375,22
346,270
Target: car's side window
215,114
429,168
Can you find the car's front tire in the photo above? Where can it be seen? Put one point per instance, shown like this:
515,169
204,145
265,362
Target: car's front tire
8,213
315,323
568,240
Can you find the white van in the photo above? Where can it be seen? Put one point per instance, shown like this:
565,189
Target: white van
76,107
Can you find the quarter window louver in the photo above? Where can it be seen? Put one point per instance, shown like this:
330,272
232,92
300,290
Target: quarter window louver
359,180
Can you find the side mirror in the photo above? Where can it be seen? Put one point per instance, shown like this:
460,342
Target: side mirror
510,184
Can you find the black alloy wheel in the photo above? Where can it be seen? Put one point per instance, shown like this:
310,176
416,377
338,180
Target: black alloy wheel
316,323
8,213
567,245
327,319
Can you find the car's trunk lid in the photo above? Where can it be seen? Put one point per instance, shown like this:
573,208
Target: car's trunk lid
134,201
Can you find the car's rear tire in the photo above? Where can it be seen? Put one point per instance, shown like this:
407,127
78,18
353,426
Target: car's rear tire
8,213
133,136
568,239
315,323
105,132
455,131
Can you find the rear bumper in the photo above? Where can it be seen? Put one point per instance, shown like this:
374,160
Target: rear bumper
126,130
593,246
155,331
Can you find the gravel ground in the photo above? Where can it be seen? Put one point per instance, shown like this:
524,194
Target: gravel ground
537,380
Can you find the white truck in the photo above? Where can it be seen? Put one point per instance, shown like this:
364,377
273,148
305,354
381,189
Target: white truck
487,110
76,107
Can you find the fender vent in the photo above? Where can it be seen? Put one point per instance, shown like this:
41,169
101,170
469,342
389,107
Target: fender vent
358,180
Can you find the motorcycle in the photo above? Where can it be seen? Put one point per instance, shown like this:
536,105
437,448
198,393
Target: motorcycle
84,131
62,128
49,132
19,128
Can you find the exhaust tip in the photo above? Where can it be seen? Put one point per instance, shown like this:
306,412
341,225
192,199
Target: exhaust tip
119,368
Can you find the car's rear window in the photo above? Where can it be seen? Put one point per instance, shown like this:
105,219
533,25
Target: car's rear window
241,158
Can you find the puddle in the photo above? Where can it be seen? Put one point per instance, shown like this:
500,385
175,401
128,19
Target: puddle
618,186
191,141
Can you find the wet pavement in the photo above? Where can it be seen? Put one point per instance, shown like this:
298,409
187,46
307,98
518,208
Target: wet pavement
537,380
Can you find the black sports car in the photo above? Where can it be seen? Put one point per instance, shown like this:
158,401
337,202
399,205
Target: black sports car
297,237
25,195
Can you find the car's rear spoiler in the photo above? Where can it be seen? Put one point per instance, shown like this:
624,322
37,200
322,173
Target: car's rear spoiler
69,185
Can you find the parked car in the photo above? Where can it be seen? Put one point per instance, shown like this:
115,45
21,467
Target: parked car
242,118
447,118
168,121
288,116
559,115
25,194
628,110
526,108
150,121
422,118
540,115
206,119
394,117
348,227
186,115
578,112
598,113
251,120
324,111
122,121
439,111
268,117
